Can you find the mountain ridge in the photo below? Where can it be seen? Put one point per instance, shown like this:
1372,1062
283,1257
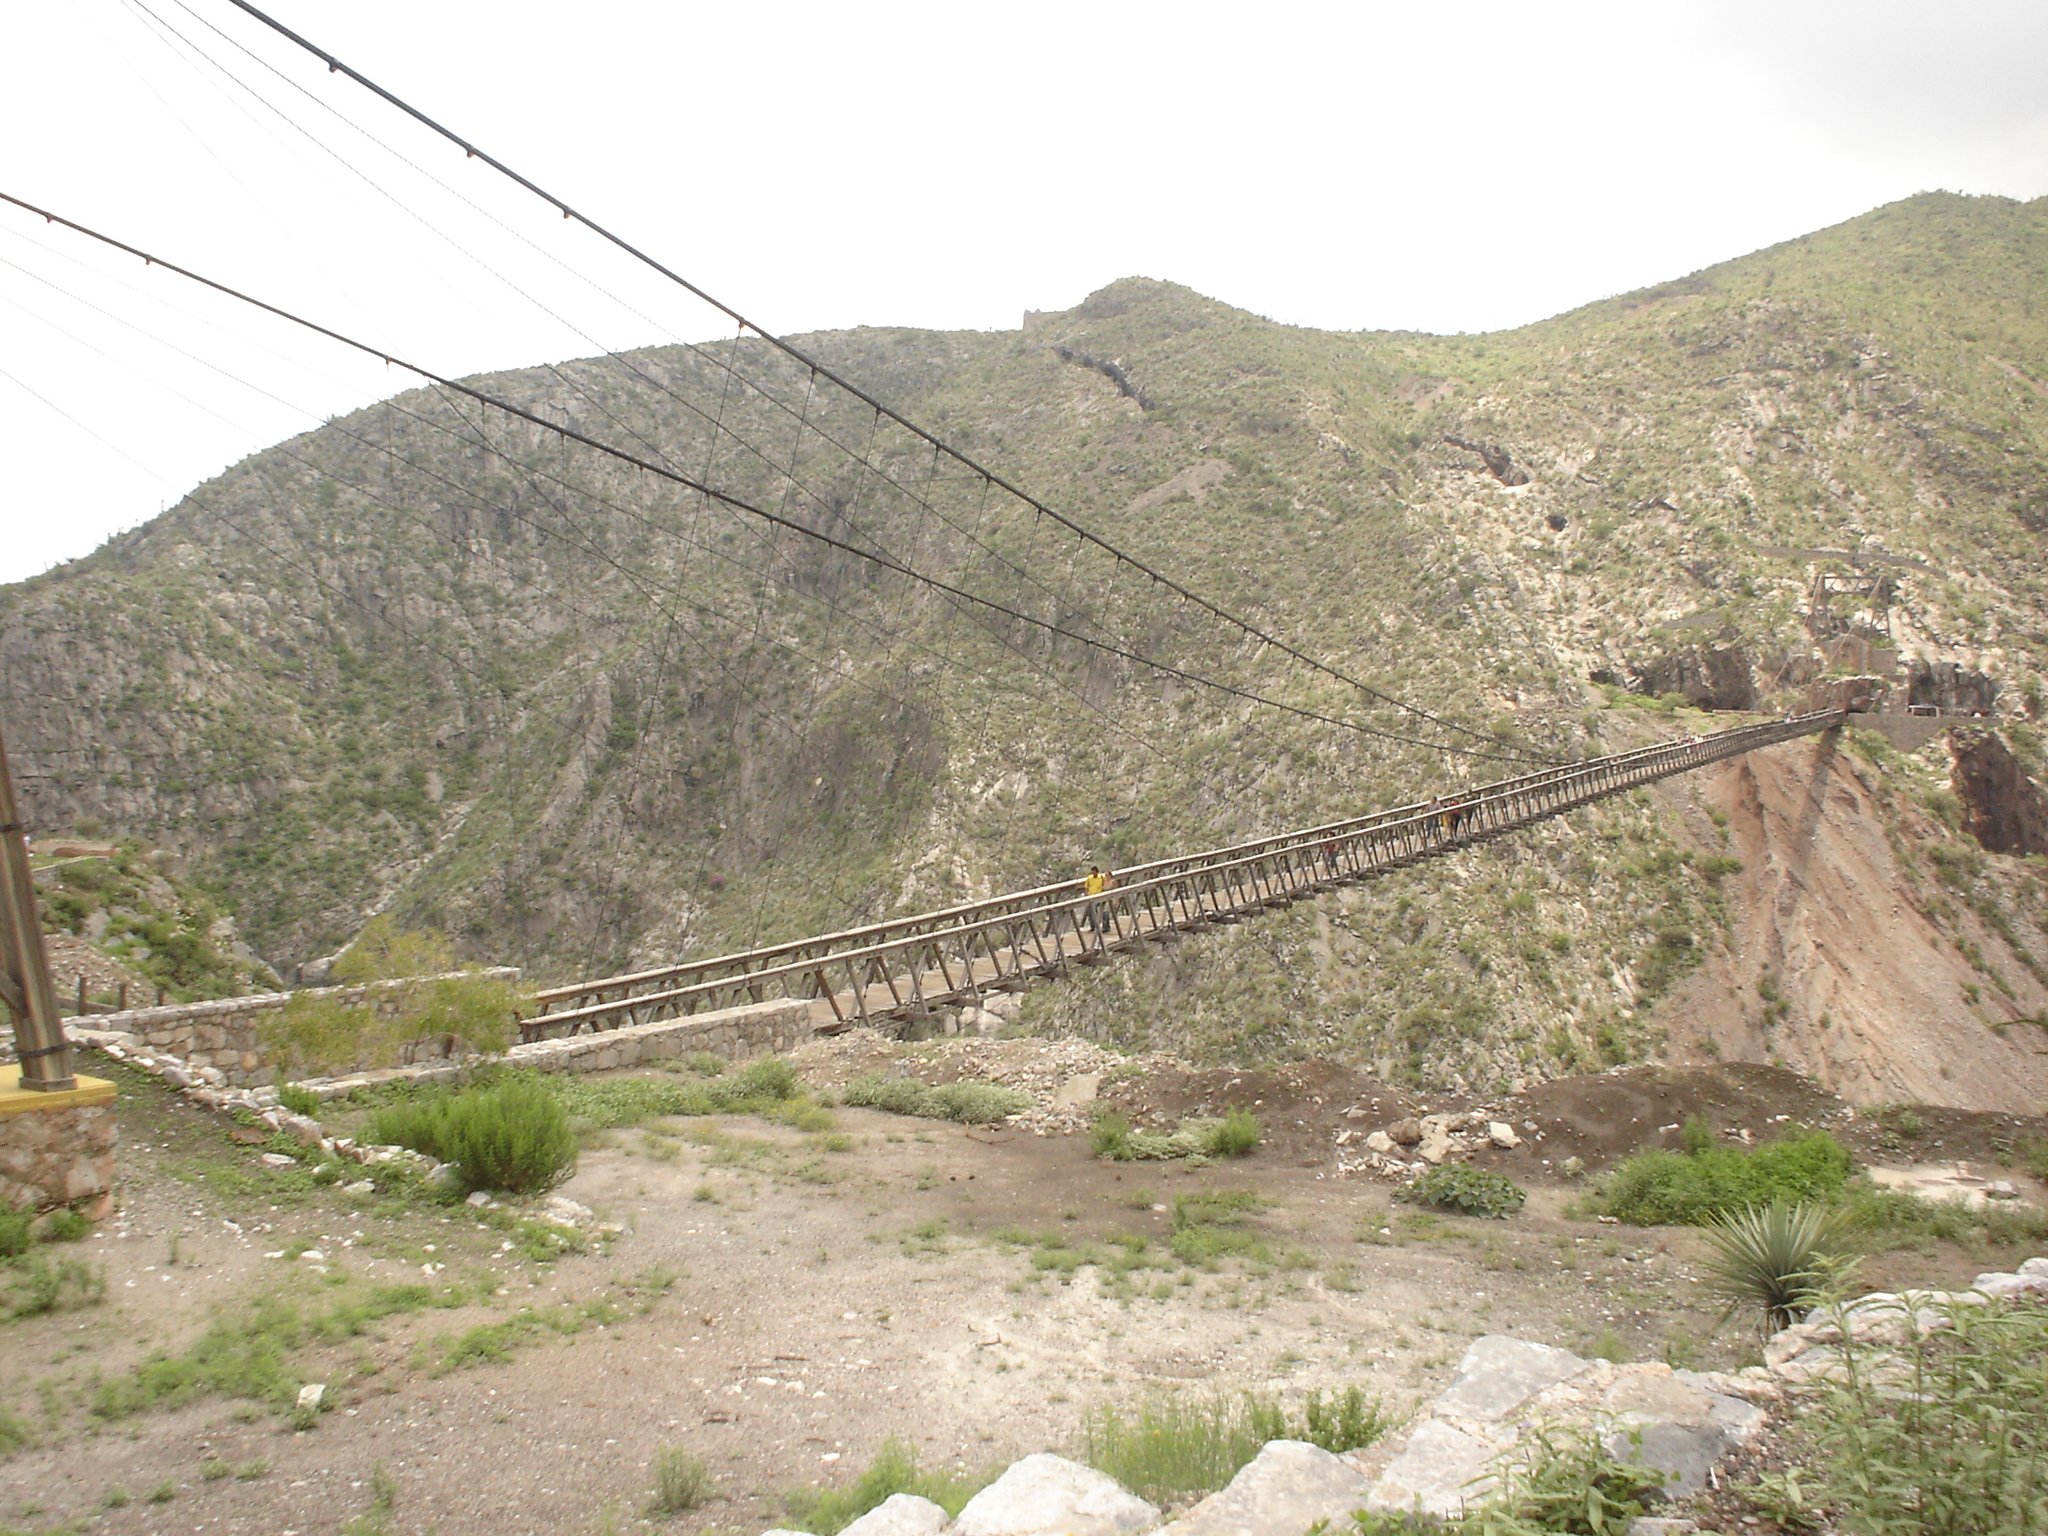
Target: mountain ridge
421,660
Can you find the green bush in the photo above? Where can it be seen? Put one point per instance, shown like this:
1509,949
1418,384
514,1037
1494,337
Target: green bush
300,1101
681,1482
322,1032
1464,1189
14,1231
1232,1136
1660,1188
1114,1137
67,1224
770,1077
510,1135
1110,1137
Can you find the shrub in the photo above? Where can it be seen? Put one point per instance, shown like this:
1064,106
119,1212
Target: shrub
300,1101
1109,1136
14,1231
511,1135
768,1078
681,1482
1776,1258
326,1033
1233,1136
67,1225
1114,1137
1659,1188
1464,1189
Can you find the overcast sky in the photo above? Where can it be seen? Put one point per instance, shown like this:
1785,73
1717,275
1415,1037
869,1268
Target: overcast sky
1360,166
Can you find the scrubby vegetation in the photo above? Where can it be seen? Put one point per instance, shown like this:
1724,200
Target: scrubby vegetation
969,1103
825,1512
1660,1188
1776,1259
1465,1190
511,1134
413,992
36,1276
1946,1436
1114,1136
133,905
1175,1448
1558,1485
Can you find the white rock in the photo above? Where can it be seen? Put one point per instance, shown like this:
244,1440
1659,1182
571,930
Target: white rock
278,1160
901,1514
1288,1487
1502,1135
2013,1285
311,1395
1046,1495
1381,1142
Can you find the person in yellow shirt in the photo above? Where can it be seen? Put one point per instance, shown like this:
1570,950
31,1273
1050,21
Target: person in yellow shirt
1096,883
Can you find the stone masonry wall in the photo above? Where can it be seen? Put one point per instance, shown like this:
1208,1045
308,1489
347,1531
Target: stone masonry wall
56,1156
223,1034
732,1034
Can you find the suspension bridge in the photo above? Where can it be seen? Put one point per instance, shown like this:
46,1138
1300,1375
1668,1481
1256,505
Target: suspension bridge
905,968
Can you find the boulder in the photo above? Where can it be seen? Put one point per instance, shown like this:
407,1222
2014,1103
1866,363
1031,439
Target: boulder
1498,1374
1287,1488
1670,1421
901,1514
1047,1495
1437,1471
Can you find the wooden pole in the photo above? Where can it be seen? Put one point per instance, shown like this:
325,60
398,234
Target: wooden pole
24,968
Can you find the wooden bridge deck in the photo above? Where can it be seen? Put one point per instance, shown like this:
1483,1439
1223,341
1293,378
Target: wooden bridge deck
909,966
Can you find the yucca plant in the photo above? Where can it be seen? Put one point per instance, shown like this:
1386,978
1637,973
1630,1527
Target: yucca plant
1776,1257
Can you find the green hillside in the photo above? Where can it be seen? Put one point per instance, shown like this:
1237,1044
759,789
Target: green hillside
429,660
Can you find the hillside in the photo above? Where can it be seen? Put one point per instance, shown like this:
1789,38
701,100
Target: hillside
427,660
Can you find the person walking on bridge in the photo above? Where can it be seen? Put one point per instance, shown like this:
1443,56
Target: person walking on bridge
1095,884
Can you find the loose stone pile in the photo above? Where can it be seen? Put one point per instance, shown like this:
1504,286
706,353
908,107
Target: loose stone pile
1679,1423
1411,1145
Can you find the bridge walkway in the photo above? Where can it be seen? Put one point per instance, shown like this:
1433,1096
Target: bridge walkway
908,967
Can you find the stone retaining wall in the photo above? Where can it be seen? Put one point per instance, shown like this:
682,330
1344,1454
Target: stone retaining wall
223,1034
55,1148
731,1034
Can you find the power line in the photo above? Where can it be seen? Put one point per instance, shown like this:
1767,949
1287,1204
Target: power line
1245,626
885,562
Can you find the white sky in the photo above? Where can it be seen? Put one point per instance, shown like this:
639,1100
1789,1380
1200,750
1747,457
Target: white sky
1353,166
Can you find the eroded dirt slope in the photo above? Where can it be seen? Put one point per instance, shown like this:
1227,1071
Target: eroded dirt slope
1840,963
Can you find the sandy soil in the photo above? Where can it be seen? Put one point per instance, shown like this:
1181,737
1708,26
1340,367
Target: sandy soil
829,1290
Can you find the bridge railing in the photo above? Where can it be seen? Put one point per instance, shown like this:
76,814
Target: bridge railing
908,965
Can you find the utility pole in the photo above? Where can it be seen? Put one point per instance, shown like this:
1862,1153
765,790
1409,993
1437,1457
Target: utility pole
24,968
